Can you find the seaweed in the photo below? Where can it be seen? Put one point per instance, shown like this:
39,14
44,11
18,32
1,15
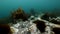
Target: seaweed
19,14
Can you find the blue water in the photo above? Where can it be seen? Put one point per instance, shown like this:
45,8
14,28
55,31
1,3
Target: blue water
6,6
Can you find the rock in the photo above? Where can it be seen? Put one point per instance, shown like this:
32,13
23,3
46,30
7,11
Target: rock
5,29
56,30
40,25
55,21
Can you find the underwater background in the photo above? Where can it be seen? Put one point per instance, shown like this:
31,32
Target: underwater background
7,6
20,15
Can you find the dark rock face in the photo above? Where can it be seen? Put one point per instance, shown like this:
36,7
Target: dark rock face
5,29
56,30
55,21
40,25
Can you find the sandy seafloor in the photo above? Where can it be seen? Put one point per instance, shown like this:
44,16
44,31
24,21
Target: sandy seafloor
27,27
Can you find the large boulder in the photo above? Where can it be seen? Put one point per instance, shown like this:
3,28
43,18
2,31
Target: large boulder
5,29
56,30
